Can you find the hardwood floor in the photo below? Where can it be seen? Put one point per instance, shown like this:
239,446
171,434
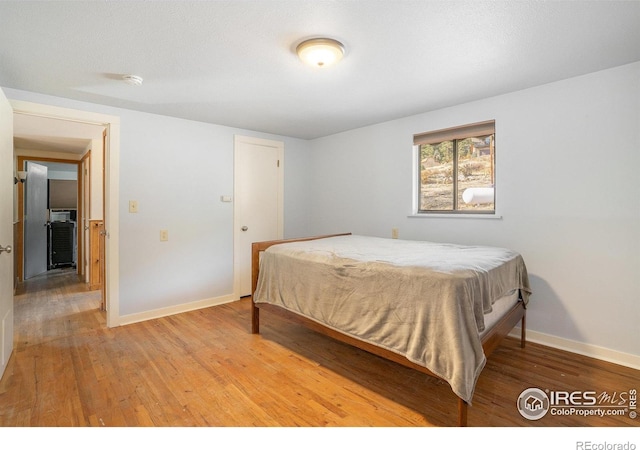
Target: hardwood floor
204,368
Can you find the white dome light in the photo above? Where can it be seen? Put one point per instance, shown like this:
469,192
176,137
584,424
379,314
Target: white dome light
320,52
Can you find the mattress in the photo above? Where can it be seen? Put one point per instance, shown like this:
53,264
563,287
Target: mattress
500,307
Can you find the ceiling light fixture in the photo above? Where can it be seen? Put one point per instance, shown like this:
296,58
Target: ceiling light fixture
133,80
320,52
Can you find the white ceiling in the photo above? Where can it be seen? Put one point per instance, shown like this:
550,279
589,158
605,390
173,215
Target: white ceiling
53,135
233,62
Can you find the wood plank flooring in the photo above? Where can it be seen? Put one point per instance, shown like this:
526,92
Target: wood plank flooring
204,368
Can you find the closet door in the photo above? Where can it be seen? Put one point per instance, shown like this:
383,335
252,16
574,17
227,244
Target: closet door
258,208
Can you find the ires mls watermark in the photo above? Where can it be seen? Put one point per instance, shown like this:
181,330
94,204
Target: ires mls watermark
534,403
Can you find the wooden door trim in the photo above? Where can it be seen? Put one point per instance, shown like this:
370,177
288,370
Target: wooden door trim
85,162
96,255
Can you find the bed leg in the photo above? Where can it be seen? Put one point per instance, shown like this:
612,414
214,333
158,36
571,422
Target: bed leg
523,330
255,318
462,412
255,269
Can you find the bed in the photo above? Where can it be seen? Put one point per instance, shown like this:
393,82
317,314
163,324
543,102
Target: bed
437,308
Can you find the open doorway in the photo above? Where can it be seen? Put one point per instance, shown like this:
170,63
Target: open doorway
54,221
94,168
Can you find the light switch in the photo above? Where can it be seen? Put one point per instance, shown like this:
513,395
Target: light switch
133,206
164,235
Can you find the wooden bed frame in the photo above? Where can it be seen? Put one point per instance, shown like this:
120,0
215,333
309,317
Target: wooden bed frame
490,340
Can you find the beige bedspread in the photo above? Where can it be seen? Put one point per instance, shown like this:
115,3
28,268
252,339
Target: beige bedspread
422,300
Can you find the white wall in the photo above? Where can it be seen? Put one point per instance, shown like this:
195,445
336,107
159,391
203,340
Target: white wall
177,170
567,155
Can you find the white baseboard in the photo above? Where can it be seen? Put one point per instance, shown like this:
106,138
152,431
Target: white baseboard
171,310
590,350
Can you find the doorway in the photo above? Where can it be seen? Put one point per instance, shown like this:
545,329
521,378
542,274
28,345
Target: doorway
111,139
258,201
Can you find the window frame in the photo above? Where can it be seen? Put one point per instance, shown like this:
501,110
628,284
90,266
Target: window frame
453,134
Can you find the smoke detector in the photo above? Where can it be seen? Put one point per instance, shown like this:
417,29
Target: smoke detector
133,80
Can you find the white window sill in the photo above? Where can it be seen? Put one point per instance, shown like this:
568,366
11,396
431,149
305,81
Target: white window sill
454,216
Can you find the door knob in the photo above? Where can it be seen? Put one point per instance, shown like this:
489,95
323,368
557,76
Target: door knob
5,249
244,228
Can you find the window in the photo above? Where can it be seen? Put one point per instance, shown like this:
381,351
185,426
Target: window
457,169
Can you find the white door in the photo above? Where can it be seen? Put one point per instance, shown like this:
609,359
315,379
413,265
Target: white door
6,231
35,220
258,197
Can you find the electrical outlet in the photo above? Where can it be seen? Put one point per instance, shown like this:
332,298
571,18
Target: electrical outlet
164,235
133,206
394,233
